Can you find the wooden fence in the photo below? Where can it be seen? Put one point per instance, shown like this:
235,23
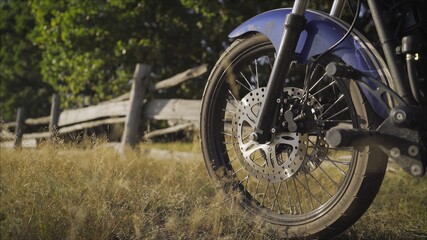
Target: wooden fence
129,109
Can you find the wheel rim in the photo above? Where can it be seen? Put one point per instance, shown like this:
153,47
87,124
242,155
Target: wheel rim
317,176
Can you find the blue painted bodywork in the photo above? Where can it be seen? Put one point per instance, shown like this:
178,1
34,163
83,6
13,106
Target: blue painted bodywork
320,33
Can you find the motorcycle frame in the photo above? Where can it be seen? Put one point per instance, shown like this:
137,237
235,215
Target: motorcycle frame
294,26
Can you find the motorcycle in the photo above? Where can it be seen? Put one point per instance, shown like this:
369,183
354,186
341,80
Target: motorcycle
301,113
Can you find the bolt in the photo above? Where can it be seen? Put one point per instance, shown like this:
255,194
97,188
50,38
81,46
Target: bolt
399,116
278,100
413,151
395,152
253,136
416,170
273,130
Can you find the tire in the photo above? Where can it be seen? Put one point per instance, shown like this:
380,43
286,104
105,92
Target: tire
296,183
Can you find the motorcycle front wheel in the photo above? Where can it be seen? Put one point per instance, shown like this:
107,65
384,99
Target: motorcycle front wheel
295,183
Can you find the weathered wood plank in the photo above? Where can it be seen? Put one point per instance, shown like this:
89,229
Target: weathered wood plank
68,117
37,121
38,135
76,127
172,109
6,135
167,130
159,109
92,124
9,125
26,143
20,121
136,99
181,77
54,114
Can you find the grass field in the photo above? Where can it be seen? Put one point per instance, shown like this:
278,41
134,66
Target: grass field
63,192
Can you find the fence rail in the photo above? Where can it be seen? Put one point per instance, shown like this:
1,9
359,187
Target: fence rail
129,109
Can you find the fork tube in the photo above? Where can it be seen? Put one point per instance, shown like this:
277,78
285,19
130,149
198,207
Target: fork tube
337,8
294,25
388,44
299,7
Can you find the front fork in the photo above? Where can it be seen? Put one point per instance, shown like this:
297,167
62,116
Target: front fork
294,25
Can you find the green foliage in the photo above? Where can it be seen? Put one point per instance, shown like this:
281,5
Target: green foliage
90,47
20,79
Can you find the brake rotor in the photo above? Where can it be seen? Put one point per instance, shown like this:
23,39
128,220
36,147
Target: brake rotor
274,161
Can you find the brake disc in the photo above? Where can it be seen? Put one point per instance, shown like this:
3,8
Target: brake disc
274,161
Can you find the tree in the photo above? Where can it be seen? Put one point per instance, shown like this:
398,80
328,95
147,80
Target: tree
20,79
90,47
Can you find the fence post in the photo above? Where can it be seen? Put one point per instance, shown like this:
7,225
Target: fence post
20,120
54,115
139,86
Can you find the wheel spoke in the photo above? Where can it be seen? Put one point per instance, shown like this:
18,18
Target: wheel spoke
229,111
233,103
256,188
327,175
341,97
320,185
239,170
336,161
347,149
269,62
333,163
338,113
265,194
232,95
308,191
336,121
323,89
227,134
241,84
298,198
288,194
247,81
256,73
276,196
317,82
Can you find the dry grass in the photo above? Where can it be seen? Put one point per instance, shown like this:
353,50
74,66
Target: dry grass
61,192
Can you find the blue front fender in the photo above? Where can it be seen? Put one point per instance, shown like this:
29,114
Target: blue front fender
320,33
